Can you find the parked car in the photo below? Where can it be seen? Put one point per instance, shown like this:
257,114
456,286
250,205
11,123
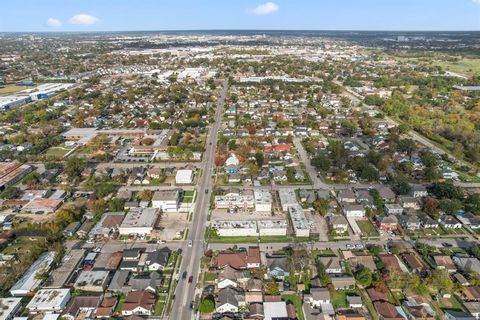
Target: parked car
190,279
184,275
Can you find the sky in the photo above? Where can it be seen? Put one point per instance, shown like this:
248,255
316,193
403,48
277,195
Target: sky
133,15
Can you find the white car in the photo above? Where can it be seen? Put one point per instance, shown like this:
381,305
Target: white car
190,243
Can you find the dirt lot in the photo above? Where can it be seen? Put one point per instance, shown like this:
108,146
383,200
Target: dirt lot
169,224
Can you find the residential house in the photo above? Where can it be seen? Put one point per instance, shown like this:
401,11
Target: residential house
339,223
343,282
158,259
277,267
388,223
318,296
332,265
138,303
414,261
393,208
467,264
388,311
444,262
449,222
229,299
418,191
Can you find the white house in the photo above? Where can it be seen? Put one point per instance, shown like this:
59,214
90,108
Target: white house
166,200
184,177
318,296
353,210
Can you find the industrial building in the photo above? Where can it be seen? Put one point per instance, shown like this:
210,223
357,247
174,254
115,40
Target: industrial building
92,280
139,221
49,301
30,279
12,172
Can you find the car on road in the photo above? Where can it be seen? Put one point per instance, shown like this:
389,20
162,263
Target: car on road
192,304
162,241
206,191
209,289
446,244
97,249
190,243
184,275
190,279
152,241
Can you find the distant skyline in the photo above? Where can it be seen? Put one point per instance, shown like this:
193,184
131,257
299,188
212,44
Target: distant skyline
138,15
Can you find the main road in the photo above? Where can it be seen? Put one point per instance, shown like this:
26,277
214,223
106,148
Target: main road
185,291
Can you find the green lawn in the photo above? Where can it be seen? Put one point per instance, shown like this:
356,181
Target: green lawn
57,152
210,277
158,309
339,298
292,298
188,196
367,228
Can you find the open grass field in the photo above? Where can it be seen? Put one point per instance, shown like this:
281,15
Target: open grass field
57,152
367,228
468,66
9,89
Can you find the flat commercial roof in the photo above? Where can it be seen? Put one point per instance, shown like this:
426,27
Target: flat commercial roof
70,261
29,281
140,218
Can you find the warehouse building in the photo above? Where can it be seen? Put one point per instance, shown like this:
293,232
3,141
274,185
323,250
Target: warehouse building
139,221
49,301
12,172
30,279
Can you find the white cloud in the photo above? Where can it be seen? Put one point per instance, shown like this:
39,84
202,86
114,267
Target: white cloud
83,19
52,22
267,8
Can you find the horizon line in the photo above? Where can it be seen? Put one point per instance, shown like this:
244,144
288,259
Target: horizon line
259,30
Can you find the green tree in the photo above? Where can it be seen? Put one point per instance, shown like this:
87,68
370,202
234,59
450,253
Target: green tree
259,158
321,162
364,276
10,193
74,167
271,288
472,203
